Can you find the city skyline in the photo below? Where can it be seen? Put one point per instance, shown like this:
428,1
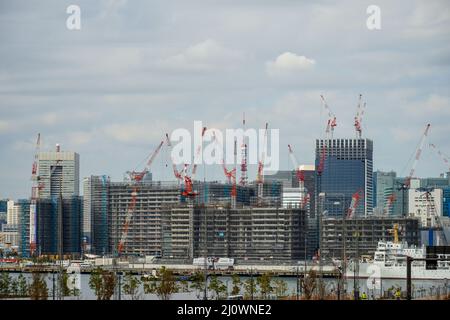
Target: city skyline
137,70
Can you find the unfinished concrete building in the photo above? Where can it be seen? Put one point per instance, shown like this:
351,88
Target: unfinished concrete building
265,234
144,233
362,234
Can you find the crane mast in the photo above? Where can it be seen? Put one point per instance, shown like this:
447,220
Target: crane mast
136,177
300,177
260,173
244,153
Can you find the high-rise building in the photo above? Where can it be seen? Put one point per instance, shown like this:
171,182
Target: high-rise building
48,228
12,216
347,169
95,214
59,169
384,187
425,205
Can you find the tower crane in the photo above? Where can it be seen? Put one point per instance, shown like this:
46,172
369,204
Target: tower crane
182,175
331,123
443,156
244,153
356,197
359,116
260,173
35,190
178,174
136,178
404,187
300,177
435,222
229,174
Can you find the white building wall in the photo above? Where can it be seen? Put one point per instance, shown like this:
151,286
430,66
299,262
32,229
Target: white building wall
12,214
424,209
291,198
70,164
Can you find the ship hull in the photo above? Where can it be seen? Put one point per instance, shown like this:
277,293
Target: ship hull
371,270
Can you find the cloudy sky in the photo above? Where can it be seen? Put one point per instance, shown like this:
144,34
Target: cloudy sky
138,69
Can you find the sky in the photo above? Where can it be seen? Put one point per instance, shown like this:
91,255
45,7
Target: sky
138,69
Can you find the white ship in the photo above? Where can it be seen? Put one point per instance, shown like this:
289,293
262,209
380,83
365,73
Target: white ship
389,262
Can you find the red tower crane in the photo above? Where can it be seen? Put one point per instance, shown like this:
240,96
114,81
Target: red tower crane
229,174
300,177
356,197
360,109
135,177
244,152
331,122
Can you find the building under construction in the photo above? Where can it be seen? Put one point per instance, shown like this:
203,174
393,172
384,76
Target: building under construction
264,234
95,215
362,234
144,231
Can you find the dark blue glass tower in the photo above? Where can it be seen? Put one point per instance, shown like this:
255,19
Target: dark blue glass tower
347,167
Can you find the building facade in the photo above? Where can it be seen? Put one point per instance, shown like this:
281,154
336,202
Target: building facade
144,232
59,169
347,167
95,215
246,233
362,234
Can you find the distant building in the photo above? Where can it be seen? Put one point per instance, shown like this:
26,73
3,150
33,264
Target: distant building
95,215
384,187
59,167
347,168
425,206
48,230
362,234
12,216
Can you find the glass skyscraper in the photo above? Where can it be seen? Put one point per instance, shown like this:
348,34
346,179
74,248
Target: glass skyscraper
345,167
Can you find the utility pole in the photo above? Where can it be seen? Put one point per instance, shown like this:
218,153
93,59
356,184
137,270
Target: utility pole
60,239
205,248
356,268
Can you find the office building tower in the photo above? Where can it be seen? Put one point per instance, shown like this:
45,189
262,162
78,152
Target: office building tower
384,188
346,168
59,169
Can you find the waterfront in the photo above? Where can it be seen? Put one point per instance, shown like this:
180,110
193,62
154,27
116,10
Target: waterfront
421,289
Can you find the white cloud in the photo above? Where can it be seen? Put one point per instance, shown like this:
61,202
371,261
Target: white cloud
205,55
288,63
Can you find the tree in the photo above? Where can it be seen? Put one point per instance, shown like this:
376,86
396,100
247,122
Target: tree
236,284
103,283
131,286
163,284
5,283
38,287
198,283
217,286
250,288
14,288
264,283
23,286
281,288
309,284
